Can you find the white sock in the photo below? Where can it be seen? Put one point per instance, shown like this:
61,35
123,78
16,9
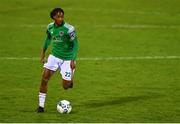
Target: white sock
42,97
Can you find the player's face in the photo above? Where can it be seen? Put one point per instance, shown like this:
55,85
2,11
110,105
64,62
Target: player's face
58,18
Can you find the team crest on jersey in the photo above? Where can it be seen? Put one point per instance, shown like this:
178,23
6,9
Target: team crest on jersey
61,33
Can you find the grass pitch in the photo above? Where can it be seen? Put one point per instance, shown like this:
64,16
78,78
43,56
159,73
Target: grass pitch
134,90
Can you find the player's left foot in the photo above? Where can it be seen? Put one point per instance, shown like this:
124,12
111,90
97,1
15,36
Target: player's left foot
40,110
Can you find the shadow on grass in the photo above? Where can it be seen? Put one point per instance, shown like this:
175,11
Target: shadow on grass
119,100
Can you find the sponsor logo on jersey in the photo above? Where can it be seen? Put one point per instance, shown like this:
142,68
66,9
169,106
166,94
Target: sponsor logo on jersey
57,39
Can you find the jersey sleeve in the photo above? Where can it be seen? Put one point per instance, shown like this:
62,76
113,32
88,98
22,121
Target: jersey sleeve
72,33
73,38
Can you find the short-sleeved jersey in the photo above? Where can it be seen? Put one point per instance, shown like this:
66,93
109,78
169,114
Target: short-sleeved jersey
63,39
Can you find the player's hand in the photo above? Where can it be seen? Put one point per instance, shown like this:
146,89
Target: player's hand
42,60
73,64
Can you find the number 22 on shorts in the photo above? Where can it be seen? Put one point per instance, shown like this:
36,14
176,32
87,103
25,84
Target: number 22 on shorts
67,74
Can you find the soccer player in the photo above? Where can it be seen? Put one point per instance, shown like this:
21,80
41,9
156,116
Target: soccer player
63,39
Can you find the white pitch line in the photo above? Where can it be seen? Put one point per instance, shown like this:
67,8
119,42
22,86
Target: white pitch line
101,58
130,58
19,58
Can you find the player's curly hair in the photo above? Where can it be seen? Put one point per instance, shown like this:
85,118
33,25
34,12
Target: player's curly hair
55,11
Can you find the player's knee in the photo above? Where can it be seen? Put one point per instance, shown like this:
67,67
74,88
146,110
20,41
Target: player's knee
45,78
67,84
46,75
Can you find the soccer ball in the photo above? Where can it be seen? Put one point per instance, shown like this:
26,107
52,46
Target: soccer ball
64,106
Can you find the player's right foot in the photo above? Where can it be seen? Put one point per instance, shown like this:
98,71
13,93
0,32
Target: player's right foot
40,110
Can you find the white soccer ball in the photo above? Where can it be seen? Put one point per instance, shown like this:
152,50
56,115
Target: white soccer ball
64,106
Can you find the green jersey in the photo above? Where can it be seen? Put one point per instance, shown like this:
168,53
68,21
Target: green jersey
63,39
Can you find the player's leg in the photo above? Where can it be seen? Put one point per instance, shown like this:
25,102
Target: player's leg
49,68
43,88
44,81
67,75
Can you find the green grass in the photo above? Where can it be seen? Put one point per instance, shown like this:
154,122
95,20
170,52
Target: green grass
105,90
